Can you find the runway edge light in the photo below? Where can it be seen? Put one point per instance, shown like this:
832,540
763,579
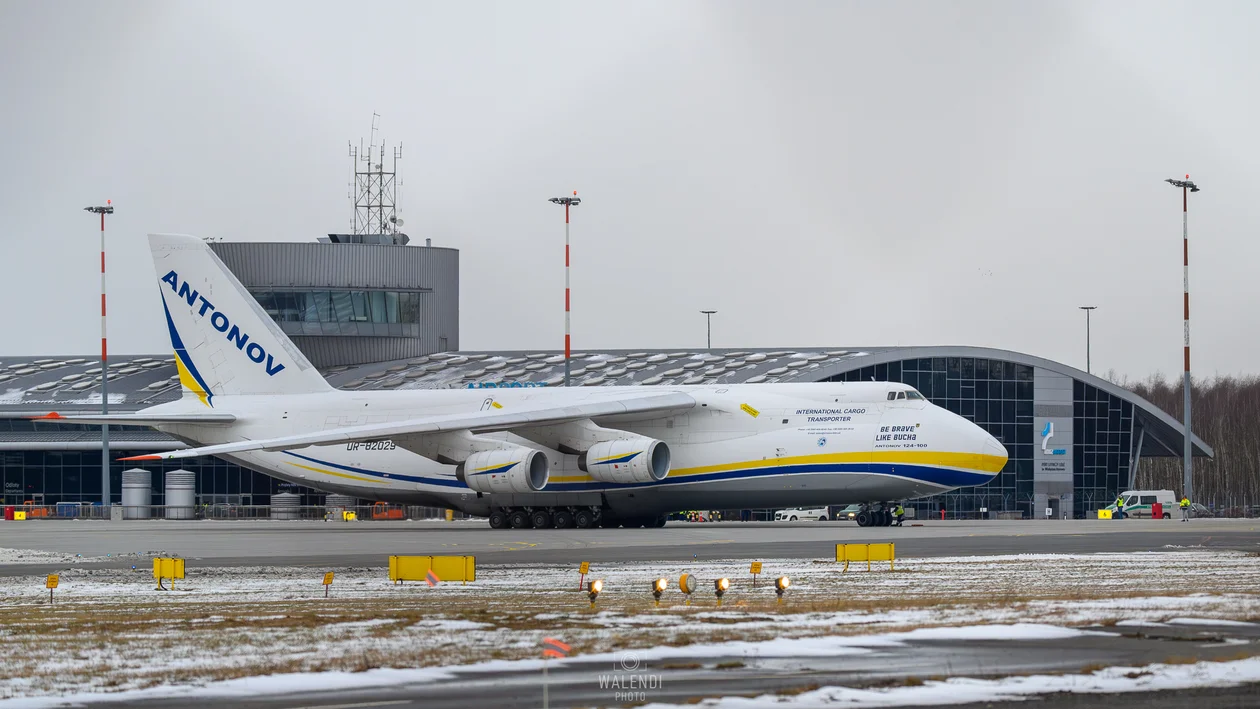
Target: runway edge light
781,585
594,590
687,584
658,587
719,588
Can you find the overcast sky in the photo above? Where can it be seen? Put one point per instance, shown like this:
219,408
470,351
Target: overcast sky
831,174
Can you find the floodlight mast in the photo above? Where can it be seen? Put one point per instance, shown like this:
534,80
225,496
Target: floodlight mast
1187,463
105,492
568,201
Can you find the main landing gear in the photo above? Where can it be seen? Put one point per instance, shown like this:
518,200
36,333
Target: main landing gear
875,515
545,518
566,518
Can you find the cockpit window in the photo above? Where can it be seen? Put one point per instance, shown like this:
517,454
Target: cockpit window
912,394
901,395
892,395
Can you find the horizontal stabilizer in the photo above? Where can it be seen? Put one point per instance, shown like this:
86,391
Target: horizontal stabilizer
139,419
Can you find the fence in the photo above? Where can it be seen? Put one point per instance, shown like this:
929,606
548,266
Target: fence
306,512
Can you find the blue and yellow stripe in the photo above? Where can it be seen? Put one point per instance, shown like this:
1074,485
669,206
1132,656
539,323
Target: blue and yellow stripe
944,469
189,377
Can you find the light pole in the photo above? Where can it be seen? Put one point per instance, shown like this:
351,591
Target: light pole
1087,308
1186,188
708,328
107,209
567,202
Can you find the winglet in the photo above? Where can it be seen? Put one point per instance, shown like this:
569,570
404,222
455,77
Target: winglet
51,416
142,457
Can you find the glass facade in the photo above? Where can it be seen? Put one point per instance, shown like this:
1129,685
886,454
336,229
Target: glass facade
48,477
344,312
998,396
1104,428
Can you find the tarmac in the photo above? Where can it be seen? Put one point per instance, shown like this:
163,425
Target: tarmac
319,544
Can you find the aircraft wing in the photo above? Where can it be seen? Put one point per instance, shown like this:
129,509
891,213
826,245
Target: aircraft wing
140,419
645,405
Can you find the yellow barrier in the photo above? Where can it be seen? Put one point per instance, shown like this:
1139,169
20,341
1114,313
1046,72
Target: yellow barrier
1104,514
446,568
866,552
19,516
167,568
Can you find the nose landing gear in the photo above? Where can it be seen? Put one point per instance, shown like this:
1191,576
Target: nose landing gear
875,515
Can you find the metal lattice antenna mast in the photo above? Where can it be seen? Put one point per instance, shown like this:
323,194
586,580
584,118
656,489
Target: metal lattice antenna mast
373,190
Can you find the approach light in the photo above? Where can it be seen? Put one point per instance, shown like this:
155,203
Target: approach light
780,585
593,590
658,587
719,587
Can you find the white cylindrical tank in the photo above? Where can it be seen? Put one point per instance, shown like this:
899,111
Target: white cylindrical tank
284,505
137,493
181,494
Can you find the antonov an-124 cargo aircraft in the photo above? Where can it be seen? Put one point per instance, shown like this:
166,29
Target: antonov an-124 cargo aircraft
538,457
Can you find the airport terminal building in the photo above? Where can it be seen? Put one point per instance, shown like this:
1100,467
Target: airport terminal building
385,316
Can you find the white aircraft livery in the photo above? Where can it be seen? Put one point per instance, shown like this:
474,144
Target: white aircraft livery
538,457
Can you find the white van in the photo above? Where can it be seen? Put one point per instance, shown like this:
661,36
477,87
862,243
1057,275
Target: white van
799,513
1137,503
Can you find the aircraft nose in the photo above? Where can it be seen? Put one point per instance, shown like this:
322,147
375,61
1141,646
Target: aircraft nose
993,454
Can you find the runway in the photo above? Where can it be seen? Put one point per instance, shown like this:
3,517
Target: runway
316,543
582,683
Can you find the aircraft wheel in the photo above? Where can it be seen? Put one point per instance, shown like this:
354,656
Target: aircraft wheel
563,519
583,519
886,518
498,520
519,519
864,518
541,519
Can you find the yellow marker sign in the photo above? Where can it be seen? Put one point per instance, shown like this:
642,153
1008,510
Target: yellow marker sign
584,568
19,516
1104,514
756,568
447,568
167,568
328,578
53,580
749,410
866,552
348,516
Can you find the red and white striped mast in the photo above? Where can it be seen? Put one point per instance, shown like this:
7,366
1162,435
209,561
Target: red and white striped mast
567,202
1186,188
105,492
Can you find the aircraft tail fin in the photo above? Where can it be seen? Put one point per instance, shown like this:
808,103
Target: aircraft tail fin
223,340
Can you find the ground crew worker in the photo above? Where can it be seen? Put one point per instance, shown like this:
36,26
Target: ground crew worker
900,514
1120,507
1185,508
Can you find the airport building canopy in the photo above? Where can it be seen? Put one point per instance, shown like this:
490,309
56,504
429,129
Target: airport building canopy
34,386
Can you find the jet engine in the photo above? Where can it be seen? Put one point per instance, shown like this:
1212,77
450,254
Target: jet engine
635,460
510,470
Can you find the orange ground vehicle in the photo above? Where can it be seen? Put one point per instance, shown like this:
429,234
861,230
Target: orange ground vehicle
382,510
32,510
